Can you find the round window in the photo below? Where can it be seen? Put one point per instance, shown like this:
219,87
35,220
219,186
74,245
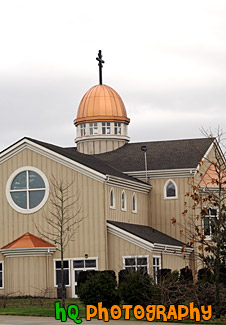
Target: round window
27,190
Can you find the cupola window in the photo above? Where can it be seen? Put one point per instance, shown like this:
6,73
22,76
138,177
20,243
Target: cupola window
106,128
118,129
170,190
83,129
93,128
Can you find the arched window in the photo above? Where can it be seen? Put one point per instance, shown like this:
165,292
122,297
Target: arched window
170,190
134,203
123,201
112,198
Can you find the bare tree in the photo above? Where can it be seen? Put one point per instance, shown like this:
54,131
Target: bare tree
63,220
206,228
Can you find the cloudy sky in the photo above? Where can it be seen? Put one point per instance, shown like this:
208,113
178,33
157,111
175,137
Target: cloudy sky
166,58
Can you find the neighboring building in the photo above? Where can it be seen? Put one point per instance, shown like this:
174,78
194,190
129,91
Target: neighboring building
128,219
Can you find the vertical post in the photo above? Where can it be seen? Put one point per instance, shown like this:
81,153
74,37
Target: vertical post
100,64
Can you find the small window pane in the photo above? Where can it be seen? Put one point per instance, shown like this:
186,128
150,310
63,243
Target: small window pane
142,269
35,181
130,261
35,198
142,261
0,279
76,275
90,263
66,277
20,198
19,182
78,264
0,266
58,264
170,190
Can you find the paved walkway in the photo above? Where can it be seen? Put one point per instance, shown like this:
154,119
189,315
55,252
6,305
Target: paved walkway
25,320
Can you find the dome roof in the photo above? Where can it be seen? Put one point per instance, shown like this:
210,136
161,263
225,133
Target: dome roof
99,104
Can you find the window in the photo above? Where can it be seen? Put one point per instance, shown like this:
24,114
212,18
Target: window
58,272
170,190
156,267
112,199
83,129
118,128
79,265
123,201
93,128
106,128
1,275
136,263
209,222
134,203
27,189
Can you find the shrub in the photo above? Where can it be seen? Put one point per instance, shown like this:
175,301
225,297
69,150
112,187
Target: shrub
99,287
137,289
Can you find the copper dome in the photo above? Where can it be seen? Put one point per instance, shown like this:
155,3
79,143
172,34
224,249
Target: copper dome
99,104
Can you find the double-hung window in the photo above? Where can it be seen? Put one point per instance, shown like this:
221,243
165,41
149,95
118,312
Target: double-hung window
209,222
106,128
136,263
1,275
156,267
118,129
83,129
66,265
93,128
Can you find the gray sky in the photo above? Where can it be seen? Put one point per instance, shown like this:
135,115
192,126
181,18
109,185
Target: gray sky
166,59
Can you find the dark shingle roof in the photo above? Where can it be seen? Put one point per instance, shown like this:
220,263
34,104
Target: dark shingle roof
174,154
90,161
147,233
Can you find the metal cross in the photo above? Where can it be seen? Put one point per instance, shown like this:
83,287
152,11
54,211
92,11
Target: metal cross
99,59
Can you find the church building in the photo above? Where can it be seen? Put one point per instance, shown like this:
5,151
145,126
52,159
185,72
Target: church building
129,195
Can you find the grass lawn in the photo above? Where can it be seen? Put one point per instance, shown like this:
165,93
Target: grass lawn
46,307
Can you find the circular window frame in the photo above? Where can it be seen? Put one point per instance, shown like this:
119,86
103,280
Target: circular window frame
8,190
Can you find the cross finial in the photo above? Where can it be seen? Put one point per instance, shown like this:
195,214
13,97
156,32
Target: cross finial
99,59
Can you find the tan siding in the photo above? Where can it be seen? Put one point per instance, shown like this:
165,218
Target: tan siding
118,247
141,217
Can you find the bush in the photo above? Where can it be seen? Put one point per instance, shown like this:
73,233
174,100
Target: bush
205,275
186,274
99,287
137,289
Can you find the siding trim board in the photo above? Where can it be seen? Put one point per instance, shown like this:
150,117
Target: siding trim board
151,247
34,251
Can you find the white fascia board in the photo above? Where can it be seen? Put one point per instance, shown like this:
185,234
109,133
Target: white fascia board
31,251
125,183
163,173
157,248
27,144
101,137
205,156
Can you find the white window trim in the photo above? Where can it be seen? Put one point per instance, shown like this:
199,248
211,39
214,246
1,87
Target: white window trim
112,191
136,256
8,189
209,237
176,191
69,271
160,265
125,203
2,262
134,195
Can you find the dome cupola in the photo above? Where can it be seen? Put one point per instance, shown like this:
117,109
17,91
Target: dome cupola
101,120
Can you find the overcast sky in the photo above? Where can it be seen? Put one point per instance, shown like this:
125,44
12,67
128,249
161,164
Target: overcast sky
166,59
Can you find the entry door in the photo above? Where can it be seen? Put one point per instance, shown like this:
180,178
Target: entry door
79,265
